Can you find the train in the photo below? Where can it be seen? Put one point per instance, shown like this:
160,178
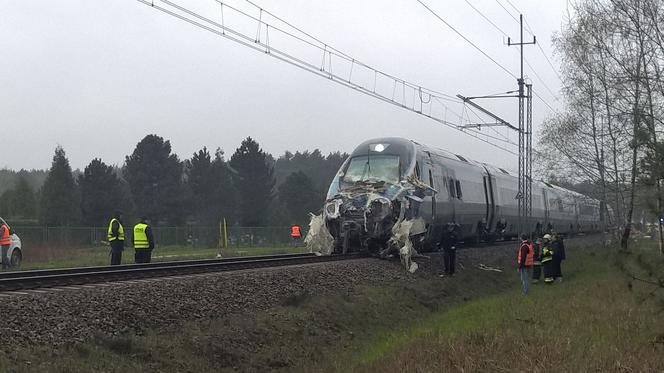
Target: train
387,180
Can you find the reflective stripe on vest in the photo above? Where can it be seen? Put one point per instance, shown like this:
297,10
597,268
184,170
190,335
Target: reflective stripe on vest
5,238
110,236
295,231
140,238
529,256
547,254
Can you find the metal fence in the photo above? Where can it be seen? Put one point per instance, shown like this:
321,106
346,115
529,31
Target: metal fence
194,236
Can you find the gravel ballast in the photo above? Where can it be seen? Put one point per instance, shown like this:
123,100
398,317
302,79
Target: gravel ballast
77,315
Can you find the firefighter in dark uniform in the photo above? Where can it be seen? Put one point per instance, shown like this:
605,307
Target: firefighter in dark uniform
558,256
143,241
448,244
547,259
537,260
115,238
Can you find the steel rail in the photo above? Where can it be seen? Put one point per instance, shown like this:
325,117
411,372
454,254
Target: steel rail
25,280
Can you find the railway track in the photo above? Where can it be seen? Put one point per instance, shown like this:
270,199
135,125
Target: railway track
35,279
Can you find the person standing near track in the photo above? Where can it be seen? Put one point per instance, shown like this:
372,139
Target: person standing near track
115,238
296,234
558,256
547,259
537,260
448,245
5,242
525,261
143,241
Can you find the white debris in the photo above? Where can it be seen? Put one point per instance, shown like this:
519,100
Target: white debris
401,232
487,268
318,239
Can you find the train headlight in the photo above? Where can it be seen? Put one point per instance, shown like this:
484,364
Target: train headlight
378,148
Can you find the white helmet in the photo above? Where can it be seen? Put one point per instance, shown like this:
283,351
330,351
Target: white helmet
547,237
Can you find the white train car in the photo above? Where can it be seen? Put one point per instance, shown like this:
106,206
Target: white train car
479,198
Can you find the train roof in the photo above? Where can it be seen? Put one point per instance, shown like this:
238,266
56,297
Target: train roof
405,143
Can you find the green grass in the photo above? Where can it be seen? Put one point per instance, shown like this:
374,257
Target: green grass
99,256
596,320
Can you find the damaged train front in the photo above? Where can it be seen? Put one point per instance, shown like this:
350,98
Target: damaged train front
375,195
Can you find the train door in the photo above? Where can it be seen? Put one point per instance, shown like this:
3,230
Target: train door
490,213
452,193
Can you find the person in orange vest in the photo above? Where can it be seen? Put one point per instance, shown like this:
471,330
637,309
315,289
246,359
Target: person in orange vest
525,262
5,242
296,234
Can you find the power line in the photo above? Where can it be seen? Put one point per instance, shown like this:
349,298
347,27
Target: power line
505,34
530,30
487,19
555,96
513,7
409,96
467,40
481,51
508,12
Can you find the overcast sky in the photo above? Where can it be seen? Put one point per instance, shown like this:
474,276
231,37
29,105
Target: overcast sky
96,76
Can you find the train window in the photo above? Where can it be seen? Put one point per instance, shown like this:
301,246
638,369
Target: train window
431,179
560,205
461,158
417,171
452,189
458,189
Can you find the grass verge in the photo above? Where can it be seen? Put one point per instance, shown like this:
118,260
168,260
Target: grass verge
598,319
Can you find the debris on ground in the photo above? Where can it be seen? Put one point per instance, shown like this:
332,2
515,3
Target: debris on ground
318,239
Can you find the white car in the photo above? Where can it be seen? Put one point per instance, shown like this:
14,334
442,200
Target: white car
15,252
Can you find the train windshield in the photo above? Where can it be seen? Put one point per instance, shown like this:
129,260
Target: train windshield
372,168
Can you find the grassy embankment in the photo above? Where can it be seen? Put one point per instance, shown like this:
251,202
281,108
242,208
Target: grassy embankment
599,319
46,258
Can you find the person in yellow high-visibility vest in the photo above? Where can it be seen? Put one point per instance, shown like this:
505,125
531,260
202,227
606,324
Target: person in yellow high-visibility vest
143,241
547,260
115,237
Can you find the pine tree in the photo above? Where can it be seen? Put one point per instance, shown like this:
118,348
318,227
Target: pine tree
101,192
24,204
210,186
254,182
155,180
298,197
59,205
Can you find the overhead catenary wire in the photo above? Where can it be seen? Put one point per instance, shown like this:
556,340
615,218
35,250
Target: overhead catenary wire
427,97
516,51
508,12
487,19
530,30
482,51
467,40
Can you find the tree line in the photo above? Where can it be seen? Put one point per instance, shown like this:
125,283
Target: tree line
609,135
251,189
